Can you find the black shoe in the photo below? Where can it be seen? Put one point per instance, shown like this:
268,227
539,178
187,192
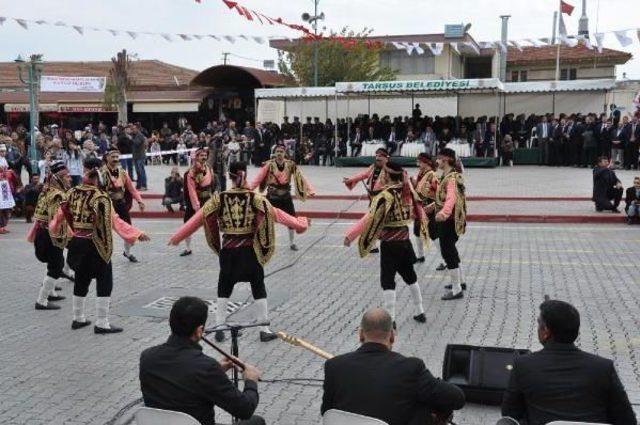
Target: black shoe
441,267
130,257
56,298
395,328
449,296
111,330
220,336
449,287
186,252
68,277
267,336
374,251
420,260
293,247
420,318
47,307
170,208
79,325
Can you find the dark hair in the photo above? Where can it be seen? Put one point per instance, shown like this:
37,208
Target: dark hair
237,166
186,315
562,319
602,158
397,168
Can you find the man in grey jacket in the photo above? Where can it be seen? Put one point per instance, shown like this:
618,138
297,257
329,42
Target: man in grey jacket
139,151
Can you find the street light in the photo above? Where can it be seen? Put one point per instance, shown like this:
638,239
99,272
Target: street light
34,71
313,19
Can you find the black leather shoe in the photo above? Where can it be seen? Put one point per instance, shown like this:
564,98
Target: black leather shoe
186,252
56,298
267,336
111,330
374,251
420,260
220,336
293,247
79,325
420,318
395,328
47,307
449,296
449,287
130,257
441,267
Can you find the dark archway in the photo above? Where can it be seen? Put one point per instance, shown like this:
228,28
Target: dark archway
238,77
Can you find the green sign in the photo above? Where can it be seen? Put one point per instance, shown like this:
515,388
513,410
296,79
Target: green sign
417,85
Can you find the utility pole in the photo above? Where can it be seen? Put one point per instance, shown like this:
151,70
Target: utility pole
315,43
34,72
225,55
503,53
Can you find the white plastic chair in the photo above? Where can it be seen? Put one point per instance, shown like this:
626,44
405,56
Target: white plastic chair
339,417
149,416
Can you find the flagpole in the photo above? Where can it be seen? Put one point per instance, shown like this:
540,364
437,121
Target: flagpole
558,40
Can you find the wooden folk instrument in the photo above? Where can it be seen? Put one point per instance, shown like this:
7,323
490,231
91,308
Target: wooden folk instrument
304,344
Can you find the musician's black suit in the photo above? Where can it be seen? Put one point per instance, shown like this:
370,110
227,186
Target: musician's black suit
376,382
560,382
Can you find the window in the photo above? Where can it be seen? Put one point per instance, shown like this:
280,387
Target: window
514,76
518,76
407,64
573,74
569,74
523,76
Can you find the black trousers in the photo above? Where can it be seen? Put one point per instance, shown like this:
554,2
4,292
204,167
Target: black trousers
253,420
284,203
120,207
631,155
397,257
448,238
47,252
589,155
240,265
614,196
84,260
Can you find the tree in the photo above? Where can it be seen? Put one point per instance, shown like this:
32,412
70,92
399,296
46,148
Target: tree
344,56
118,84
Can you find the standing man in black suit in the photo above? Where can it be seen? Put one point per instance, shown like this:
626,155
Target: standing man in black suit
561,382
543,135
376,382
632,137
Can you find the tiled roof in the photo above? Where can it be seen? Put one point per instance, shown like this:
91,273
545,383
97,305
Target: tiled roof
145,74
578,54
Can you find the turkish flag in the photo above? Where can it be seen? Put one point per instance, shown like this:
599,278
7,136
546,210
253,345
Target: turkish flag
230,4
566,8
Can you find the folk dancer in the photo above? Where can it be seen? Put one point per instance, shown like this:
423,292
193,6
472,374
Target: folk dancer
389,216
451,218
91,217
199,185
246,220
425,184
277,175
375,179
122,192
48,245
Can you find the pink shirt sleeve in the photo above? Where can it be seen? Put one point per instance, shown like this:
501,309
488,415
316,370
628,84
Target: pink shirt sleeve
450,200
54,224
259,178
131,188
193,194
188,228
299,224
127,232
351,182
31,236
355,230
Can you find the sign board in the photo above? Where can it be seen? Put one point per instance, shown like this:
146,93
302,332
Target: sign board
25,107
88,108
418,85
454,31
52,83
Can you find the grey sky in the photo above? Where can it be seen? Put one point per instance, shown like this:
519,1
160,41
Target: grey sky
529,19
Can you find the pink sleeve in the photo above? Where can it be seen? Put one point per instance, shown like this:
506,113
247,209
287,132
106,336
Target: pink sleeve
351,181
54,224
31,236
355,230
187,229
132,190
299,224
450,201
193,195
258,179
127,232
310,188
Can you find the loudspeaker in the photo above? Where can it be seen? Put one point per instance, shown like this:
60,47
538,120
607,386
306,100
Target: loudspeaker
482,373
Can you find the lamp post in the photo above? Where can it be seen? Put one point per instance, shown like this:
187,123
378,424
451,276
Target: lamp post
34,71
313,20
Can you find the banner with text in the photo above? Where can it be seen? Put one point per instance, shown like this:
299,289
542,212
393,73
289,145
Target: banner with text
52,83
419,85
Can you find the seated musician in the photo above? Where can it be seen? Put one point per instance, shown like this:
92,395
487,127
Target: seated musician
177,376
561,382
377,382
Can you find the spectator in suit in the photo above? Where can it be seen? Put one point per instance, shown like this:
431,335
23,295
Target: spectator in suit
603,136
356,142
177,376
632,202
607,189
377,382
262,144
589,143
556,142
618,143
544,135
490,141
173,190
632,138
561,382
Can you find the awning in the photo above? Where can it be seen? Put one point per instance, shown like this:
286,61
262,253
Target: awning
413,86
295,92
25,107
85,108
559,86
166,107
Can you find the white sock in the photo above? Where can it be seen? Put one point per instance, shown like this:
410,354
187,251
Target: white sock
102,312
48,284
291,233
263,313
187,242
460,274
53,292
417,297
66,269
127,248
420,247
78,309
221,310
389,296
456,284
